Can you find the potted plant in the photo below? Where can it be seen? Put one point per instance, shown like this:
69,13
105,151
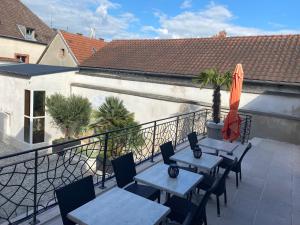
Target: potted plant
113,115
217,80
71,114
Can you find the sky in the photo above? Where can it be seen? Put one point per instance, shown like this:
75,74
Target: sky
135,19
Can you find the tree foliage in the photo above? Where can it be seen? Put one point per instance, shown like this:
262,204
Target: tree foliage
113,115
216,79
70,114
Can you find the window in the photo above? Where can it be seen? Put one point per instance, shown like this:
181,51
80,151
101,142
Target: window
26,129
62,52
94,50
27,32
22,58
38,131
34,116
39,103
30,34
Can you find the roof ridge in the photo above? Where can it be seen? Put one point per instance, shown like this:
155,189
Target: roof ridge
210,38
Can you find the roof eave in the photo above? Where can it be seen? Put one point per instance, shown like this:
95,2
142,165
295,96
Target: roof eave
22,39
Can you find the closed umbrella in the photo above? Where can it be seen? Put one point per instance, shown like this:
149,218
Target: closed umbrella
232,123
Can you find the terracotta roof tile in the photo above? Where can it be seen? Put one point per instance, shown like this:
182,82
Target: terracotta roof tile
269,58
14,13
81,46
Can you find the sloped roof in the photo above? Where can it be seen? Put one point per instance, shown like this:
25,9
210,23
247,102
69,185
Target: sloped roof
29,70
81,46
267,58
14,13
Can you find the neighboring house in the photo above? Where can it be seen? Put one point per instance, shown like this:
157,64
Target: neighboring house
67,49
23,119
23,36
154,79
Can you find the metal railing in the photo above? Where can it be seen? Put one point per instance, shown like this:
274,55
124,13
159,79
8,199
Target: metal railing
28,180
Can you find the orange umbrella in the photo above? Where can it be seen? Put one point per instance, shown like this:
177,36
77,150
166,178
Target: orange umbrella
231,129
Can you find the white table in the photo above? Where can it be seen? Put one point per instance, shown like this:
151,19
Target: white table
118,206
218,145
157,176
206,162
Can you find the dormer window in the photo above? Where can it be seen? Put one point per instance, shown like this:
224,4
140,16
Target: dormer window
27,32
30,34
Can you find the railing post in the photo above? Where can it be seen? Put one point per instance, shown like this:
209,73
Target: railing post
35,209
245,129
104,161
194,115
153,142
176,131
206,113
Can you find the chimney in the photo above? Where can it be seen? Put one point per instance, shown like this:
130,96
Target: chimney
221,34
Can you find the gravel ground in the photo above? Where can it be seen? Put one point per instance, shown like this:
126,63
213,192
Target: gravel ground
7,149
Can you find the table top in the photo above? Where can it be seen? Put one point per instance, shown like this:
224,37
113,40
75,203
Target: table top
206,162
218,145
157,176
118,206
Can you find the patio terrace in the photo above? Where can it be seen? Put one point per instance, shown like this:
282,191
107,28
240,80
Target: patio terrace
268,194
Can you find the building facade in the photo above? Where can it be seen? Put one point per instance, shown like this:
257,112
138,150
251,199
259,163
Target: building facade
23,119
23,36
70,50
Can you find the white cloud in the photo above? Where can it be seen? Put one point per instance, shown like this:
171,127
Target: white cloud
186,4
81,16
204,23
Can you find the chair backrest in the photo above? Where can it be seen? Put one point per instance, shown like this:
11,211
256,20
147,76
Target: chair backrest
167,151
222,179
198,216
249,146
193,140
124,168
73,196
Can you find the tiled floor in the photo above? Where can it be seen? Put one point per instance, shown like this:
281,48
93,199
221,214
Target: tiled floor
269,193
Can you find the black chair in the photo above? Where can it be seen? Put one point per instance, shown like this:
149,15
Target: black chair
185,212
220,189
124,168
237,168
73,196
193,140
167,151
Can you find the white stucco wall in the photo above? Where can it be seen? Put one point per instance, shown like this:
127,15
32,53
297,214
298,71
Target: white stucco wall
145,109
9,47
12,104
284,105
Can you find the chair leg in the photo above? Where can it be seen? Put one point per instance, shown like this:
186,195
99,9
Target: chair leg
205,217
218,206
236,180
218,169
225,196
158,199
241,175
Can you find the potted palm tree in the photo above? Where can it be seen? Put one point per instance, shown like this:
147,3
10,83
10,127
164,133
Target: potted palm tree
216,80
113,115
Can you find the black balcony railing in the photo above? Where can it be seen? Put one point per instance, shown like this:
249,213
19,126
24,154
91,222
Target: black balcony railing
28,179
